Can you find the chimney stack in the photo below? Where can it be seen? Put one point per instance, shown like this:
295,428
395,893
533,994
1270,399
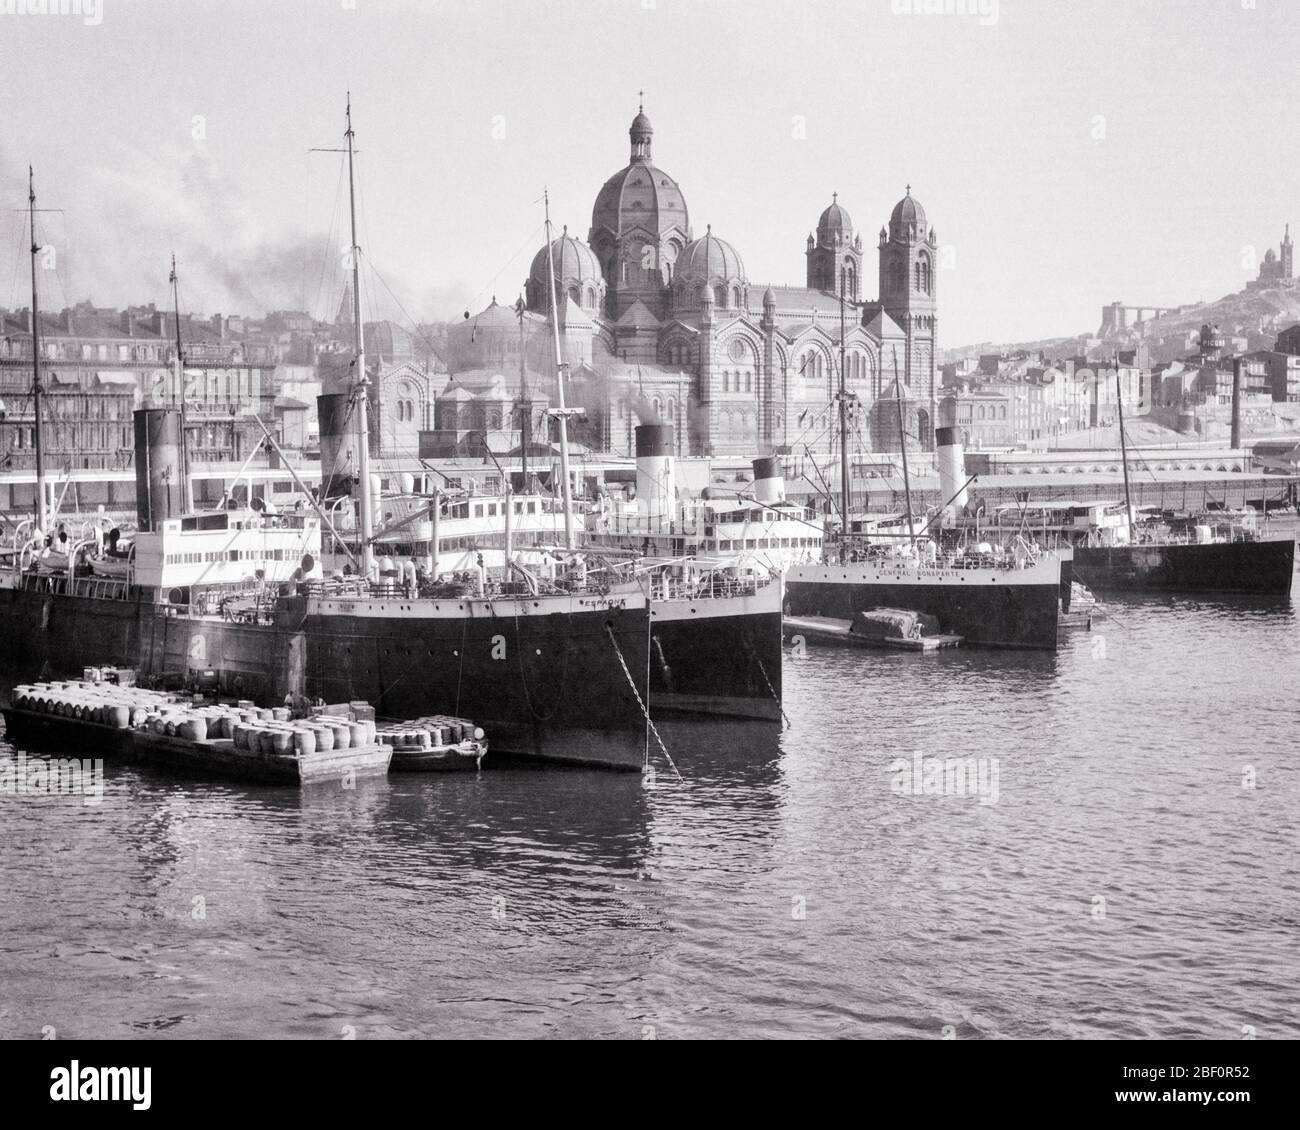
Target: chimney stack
1238,365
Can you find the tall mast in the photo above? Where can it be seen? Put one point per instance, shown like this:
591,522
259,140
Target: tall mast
845,493
37,391
902,443
525,405
361,389
187,485
562,413
1123,447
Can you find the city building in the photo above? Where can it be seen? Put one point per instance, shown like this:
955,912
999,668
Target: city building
651,311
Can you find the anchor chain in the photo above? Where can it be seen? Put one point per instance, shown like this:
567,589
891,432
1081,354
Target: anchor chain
644,709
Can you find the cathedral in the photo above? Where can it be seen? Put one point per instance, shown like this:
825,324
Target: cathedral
661,324
1276,271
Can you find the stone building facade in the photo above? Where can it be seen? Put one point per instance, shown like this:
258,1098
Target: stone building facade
660,324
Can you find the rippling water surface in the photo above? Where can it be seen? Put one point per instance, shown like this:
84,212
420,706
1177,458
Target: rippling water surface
1125,884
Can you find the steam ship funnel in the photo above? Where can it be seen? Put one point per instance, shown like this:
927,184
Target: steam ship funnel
952,471
337,439
656,475
1238,365
159,492
769,485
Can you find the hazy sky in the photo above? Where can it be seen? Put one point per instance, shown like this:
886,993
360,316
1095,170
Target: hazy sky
1068,153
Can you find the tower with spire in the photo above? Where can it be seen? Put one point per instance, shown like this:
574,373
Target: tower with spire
1287,272
908,254
835,254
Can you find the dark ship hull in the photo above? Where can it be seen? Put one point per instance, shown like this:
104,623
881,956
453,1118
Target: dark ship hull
543,677
1264,568
1015,609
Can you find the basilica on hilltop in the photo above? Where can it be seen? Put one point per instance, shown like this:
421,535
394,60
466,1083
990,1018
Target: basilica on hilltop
661,323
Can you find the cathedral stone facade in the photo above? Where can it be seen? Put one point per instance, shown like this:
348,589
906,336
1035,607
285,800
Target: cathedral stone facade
660,324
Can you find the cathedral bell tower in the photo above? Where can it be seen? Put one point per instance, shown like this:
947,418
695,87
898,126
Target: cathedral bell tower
908,252
835,253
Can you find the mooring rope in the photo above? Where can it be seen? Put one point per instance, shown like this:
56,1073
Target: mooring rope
644,709
770,689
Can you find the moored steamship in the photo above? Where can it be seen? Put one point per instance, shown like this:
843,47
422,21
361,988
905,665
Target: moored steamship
568,667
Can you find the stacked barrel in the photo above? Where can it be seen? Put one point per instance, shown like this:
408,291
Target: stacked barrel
278,734
437,731
119,707
252,729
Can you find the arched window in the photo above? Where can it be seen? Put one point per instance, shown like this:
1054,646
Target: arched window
720,297
591,298
981,412
735,297
574,296
850,281
749,381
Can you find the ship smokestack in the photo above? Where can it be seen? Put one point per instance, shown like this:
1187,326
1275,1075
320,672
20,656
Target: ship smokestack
158,488
336,471
952,471
1238,365
769,485
656,475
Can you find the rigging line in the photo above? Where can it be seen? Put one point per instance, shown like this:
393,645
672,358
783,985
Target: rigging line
404,312
460,671
328,257
770,689
618,651
528,239
19,256
649,642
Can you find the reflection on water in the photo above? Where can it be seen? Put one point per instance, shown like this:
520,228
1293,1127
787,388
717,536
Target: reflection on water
1127,882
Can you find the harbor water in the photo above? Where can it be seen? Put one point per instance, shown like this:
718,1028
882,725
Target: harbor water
1127,868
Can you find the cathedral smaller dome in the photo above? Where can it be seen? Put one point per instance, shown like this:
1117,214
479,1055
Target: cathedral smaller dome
641,124
835,226
577,274
769,297
574,261
907,213
710,259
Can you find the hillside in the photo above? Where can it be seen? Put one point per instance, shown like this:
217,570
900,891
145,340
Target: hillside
1257,314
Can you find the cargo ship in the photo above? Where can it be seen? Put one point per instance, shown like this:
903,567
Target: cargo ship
991,596
570,668
1114,550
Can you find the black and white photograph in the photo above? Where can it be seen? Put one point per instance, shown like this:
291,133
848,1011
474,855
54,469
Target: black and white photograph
650,520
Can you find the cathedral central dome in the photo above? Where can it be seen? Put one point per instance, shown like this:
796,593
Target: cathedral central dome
640,195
